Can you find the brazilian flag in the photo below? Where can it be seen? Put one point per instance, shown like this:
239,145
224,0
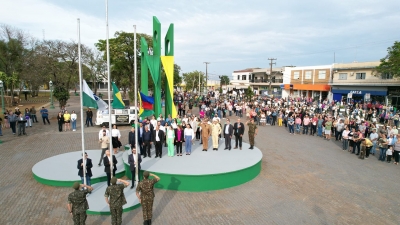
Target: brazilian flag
117,98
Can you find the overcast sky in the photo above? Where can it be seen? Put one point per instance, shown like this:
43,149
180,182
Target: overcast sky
230,34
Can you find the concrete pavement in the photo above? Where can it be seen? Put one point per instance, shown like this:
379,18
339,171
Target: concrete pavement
304,180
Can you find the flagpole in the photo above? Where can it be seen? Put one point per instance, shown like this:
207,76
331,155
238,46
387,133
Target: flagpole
109,94
136,109
81,99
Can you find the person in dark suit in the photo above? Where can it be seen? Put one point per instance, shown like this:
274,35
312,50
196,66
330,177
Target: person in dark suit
131,138
88,169
132,165
158,139
238,129
107,166
179,139
147,138
228,131
140,138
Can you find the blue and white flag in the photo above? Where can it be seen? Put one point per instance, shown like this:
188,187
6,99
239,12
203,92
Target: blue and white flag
102,105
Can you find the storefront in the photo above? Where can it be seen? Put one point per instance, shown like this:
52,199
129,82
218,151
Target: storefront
276,91
315,91
358,93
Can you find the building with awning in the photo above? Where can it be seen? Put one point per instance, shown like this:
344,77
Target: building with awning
360,81
307,82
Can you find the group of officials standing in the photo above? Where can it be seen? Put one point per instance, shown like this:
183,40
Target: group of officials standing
237,130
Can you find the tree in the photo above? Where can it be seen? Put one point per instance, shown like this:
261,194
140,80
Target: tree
122,58
95,68
249,93
61,94
390,64
224,80
13,53
192,80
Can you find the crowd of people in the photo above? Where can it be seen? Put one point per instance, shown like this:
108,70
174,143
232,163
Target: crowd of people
17,121
362,127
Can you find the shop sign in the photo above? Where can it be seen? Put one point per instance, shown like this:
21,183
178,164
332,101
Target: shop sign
356,92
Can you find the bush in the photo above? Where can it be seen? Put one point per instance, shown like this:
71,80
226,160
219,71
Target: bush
61,94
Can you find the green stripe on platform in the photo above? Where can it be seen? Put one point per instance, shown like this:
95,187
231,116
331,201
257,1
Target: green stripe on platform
207,182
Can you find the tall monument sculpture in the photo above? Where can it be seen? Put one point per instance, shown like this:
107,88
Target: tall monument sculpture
152,63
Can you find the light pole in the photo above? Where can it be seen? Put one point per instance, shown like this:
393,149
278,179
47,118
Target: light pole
51,95
207,76
2,97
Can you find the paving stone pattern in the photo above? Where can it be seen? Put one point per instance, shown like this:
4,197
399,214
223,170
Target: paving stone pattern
304,180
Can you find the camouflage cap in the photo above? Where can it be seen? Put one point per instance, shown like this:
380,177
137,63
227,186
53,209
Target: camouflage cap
76,185
146,174
114,180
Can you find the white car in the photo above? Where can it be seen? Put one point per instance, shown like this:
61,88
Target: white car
118,116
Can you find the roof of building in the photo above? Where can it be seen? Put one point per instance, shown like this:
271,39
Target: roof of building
356,65
245,70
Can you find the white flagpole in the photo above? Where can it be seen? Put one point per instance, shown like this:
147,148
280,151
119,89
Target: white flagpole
136,109
81,99
109,92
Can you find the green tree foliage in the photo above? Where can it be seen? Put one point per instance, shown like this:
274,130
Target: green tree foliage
224,80
122,58
249,93
61,94
95,68
390,64
13,53
192,80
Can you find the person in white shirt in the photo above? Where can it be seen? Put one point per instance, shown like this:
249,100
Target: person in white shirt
101,132
153,122
389,153
189,137
239,110
73,120
174,125
374,138
185,119
345,138
116,139
216,118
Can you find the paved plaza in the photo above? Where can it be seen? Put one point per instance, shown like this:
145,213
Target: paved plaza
304,180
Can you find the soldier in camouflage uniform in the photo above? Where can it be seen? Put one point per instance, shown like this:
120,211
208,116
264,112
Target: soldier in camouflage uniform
145,194
115,199
252,132
77,203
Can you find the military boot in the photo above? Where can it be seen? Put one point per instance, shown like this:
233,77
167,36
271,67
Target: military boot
149,222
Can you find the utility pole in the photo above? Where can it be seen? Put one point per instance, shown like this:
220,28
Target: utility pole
270,72
207,74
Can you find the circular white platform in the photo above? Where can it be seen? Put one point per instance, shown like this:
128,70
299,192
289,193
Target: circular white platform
61,170
97,203
199,162
202,171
